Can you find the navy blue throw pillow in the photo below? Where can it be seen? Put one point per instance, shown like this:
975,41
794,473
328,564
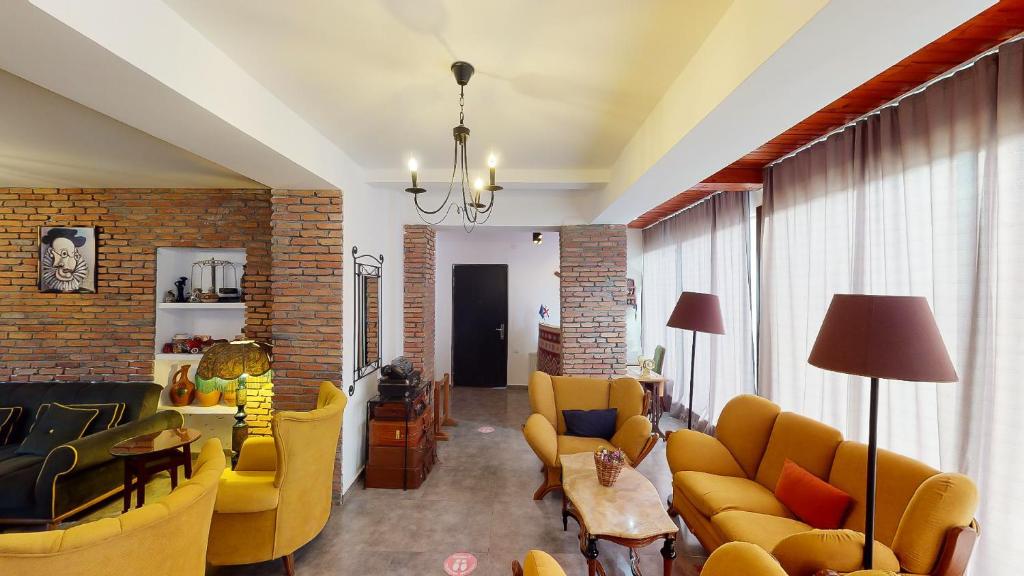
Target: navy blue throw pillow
590,423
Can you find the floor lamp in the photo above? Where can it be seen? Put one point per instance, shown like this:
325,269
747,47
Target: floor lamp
698,312
891,337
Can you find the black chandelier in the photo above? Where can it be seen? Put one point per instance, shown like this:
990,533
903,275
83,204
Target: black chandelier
472,208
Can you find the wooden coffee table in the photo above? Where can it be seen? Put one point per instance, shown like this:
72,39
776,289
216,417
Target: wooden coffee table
148,454
629,513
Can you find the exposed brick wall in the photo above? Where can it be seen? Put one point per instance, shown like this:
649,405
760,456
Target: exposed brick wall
418,294
109,335
593,296
306,283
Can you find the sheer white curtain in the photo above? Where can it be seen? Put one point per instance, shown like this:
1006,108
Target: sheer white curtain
703,249
925,198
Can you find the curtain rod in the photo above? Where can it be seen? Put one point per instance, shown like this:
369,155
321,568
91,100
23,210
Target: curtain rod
896,101
681,210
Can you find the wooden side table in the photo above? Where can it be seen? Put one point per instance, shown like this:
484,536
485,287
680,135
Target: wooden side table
148,454
655,384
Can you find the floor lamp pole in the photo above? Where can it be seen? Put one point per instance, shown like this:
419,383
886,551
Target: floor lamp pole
693,363
869,513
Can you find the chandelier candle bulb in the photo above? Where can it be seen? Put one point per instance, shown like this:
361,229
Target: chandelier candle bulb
413,166
492,163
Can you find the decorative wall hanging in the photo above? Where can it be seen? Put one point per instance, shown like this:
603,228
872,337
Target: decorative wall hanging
67,260
472,207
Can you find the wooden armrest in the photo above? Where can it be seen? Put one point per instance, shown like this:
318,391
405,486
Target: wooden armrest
956,550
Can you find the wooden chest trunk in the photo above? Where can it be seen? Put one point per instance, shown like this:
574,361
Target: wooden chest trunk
387,464
393,432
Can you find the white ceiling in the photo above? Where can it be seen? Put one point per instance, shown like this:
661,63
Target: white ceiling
559,85
47,140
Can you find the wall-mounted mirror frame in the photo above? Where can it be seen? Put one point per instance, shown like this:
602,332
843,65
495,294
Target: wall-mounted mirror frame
367,302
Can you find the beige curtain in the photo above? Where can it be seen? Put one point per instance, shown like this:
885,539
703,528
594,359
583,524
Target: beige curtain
925,198
703,249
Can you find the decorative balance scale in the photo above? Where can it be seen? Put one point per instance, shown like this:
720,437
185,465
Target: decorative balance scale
225,293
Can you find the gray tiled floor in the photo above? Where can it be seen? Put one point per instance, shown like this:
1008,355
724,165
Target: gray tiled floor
478,499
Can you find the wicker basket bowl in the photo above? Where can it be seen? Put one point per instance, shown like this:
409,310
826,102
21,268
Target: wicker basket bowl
607,471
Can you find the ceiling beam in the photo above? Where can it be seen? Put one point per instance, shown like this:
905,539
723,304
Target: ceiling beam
781,66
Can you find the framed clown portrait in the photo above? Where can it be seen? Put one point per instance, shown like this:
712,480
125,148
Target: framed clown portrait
67,260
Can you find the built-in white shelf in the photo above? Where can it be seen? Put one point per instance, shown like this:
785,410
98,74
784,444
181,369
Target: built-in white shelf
200,305
194,409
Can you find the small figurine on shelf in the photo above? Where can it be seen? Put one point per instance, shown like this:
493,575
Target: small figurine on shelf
180,285
196,296
169,297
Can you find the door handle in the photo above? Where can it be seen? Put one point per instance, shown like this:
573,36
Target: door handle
501,330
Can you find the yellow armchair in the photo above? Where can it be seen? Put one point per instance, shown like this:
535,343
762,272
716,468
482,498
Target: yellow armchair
537,563
545,428
164,538
278,497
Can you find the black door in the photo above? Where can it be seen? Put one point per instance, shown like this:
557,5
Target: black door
480,325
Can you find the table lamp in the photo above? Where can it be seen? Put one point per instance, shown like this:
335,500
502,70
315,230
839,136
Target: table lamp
237,360
892,337
698,312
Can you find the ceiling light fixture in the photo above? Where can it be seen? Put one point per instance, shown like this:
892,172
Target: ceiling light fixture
472,208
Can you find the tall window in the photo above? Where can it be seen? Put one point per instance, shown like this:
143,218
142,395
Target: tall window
923,199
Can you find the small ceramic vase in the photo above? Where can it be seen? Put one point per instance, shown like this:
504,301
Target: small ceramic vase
183,390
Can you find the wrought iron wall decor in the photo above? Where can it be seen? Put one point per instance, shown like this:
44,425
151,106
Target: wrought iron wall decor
368,294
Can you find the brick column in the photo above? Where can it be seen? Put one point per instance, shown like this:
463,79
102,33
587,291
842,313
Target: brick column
306,285
418,295
593,297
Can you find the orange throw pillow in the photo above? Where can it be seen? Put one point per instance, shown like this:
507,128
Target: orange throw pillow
810,498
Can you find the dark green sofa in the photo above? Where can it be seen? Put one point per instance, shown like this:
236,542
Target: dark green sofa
75,475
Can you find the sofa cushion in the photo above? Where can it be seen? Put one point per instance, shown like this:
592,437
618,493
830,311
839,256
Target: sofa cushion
745,427
807,442
577,444
244,492
590,423
109,415
764,530
57,425
18,479
712,494
9,418
898,480
8,452
810,498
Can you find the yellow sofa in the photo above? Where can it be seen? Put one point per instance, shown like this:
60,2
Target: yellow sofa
743,559
723,489
164,538
278,497
545,428
537,563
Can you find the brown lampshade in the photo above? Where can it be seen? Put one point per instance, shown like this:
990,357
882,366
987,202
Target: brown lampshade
888,337
697,311
228,360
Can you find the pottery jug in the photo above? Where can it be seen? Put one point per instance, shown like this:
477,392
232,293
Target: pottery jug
183,390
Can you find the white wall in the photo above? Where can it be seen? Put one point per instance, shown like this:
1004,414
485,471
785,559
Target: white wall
371,222
635,270
531,279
